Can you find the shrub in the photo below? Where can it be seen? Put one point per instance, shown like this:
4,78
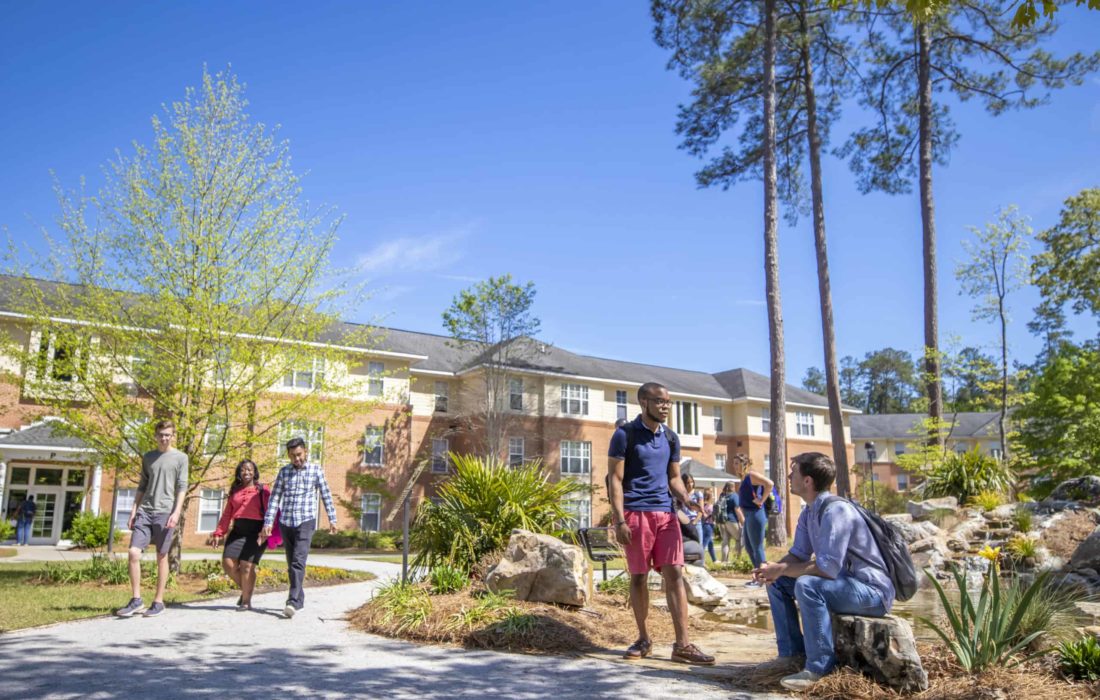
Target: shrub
988,631
91,531
344,539
7,530
1022,547
886,499
479,506
1080,660
445,578
99,569
1022,520
1052,613
382,540
987,500
407,604
619,586
738,565
965,475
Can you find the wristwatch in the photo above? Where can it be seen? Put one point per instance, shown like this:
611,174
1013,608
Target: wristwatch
621,522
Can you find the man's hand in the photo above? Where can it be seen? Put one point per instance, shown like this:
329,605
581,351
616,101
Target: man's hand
173,520
622,534
266,532
332,529
769,572
130,522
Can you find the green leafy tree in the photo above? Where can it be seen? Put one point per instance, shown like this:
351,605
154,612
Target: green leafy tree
971,378
997,267
967,47
850,392
814,380
193,287
494,319
1067,271
888,380
1025,14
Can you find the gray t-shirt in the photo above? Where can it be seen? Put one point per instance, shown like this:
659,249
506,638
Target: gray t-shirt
163,475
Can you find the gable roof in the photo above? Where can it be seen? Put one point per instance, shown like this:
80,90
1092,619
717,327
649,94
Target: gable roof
905,426
43,434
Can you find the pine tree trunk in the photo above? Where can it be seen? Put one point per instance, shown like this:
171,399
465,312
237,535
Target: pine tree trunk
824,289
777,530
928,226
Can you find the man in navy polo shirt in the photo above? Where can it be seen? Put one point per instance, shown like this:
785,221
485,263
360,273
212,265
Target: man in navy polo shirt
643,465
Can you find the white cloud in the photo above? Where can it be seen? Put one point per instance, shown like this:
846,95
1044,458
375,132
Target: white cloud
414,253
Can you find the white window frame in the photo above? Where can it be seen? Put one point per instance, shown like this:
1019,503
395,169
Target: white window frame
45,374
716,413
124,505
574,399
903,482
306,379
515,393
720,462
374,439
442,396
516,451
804,423
766,419
576,457
370,503
375,371
579,507
440,462
313,432
620,405
687,417
211,502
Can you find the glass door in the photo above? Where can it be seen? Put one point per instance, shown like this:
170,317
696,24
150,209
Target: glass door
44,529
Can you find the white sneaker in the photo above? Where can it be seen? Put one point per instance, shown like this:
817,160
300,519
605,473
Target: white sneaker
288,611
801,681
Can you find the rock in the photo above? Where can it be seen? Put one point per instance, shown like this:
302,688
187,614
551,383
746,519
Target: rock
931,560
924,509
930,544
898,517
957,544
1083,488
1087,554
1093,630
1002,513
909,531
882,648
702,588
544,569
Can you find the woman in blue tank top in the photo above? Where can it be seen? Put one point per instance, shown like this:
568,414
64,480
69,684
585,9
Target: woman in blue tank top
754,487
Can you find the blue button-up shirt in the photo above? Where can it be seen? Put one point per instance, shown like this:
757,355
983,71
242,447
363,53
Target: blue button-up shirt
841,545
295,493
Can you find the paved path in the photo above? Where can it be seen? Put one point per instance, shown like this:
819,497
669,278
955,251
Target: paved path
207,649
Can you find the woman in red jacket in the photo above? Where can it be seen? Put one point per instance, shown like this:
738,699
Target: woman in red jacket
243,548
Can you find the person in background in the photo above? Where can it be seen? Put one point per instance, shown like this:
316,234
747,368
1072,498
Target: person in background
24,520
708,525
243,519
729,508
754,486
695,503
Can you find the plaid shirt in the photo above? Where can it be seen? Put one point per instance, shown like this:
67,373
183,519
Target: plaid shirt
294,494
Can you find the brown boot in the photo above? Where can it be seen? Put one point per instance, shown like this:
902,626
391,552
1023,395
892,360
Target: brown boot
690,654
638,650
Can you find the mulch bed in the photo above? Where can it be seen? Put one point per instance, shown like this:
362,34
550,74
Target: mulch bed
1062,538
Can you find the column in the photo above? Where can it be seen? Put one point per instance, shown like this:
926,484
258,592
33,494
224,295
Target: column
3,483
97,487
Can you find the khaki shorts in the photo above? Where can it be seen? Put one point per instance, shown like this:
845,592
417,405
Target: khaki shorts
151,528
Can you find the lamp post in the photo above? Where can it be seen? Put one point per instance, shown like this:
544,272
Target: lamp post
869,448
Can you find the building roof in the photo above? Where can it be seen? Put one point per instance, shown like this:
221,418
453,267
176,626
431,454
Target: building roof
705,474
906,426
46,433
439,353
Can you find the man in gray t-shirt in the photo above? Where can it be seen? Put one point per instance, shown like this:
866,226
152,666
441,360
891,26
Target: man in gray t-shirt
157,506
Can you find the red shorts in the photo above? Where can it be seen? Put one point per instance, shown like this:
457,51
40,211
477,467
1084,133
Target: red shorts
654,541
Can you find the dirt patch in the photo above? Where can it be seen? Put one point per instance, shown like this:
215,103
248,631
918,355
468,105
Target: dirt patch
1067,532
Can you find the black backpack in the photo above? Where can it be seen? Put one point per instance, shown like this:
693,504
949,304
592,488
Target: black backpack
891,545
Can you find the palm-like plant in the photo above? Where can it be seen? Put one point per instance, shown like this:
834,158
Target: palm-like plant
479,506
966,475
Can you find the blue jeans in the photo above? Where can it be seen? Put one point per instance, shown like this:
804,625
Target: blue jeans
756,521
817,597
708,540
23,531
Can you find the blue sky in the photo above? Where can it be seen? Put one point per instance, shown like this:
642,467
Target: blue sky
463,140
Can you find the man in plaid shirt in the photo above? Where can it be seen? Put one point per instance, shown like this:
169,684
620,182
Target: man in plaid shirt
294,493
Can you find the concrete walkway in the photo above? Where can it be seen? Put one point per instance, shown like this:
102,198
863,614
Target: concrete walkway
207,649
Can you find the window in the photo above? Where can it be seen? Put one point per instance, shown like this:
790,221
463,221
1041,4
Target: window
136,433
515,394
903,482
374,383
576,457
60,359
210,509
765,420
899,449
580,511
767,465
804,423
313,433
717,419
874,478
620,405
216,436
515,451
374,439
371,506
574,399
309,376
124,504
442,394
440,447
720,462
687,417
996,453
20,475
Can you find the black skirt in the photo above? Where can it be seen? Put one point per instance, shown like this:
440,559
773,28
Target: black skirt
243,542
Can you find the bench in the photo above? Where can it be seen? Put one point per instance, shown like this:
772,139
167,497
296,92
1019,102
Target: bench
600,545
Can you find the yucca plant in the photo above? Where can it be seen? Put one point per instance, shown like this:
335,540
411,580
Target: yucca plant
966,475
987,632
480,504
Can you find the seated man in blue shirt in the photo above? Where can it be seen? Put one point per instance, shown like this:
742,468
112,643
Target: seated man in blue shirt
834,566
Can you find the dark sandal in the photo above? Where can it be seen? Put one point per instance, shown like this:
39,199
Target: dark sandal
638,650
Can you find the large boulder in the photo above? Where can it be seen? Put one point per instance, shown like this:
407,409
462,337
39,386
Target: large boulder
702,588
882,648
1085,489
925,509
1087,554
541,568
914,531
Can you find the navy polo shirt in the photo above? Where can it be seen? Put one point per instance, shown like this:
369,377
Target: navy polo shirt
645,469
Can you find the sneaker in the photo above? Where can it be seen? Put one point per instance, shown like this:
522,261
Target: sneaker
638,650
288,611
753,584
240,601
241,607
155,609
801,681
132,608
690,654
